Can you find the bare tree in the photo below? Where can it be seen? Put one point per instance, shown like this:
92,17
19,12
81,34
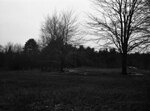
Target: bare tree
60,30
13,48
59,26
124,24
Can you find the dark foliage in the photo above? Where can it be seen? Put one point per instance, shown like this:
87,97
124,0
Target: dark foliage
51,57
31,53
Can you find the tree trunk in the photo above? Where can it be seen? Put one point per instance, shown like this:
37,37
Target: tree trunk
124,63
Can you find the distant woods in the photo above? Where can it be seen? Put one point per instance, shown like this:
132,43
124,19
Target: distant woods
30,56
60,47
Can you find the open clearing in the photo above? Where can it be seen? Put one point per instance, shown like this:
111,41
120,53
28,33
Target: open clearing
98,90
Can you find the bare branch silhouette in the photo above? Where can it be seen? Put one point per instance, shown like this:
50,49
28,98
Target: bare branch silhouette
124,24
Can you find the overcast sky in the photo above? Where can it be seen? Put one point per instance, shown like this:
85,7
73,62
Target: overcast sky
22,19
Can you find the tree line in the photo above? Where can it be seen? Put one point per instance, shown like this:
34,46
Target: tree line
29,57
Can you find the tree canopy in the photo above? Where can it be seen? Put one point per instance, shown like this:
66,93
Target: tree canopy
124,24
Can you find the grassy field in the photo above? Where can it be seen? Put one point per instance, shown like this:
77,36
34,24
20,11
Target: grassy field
98,90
